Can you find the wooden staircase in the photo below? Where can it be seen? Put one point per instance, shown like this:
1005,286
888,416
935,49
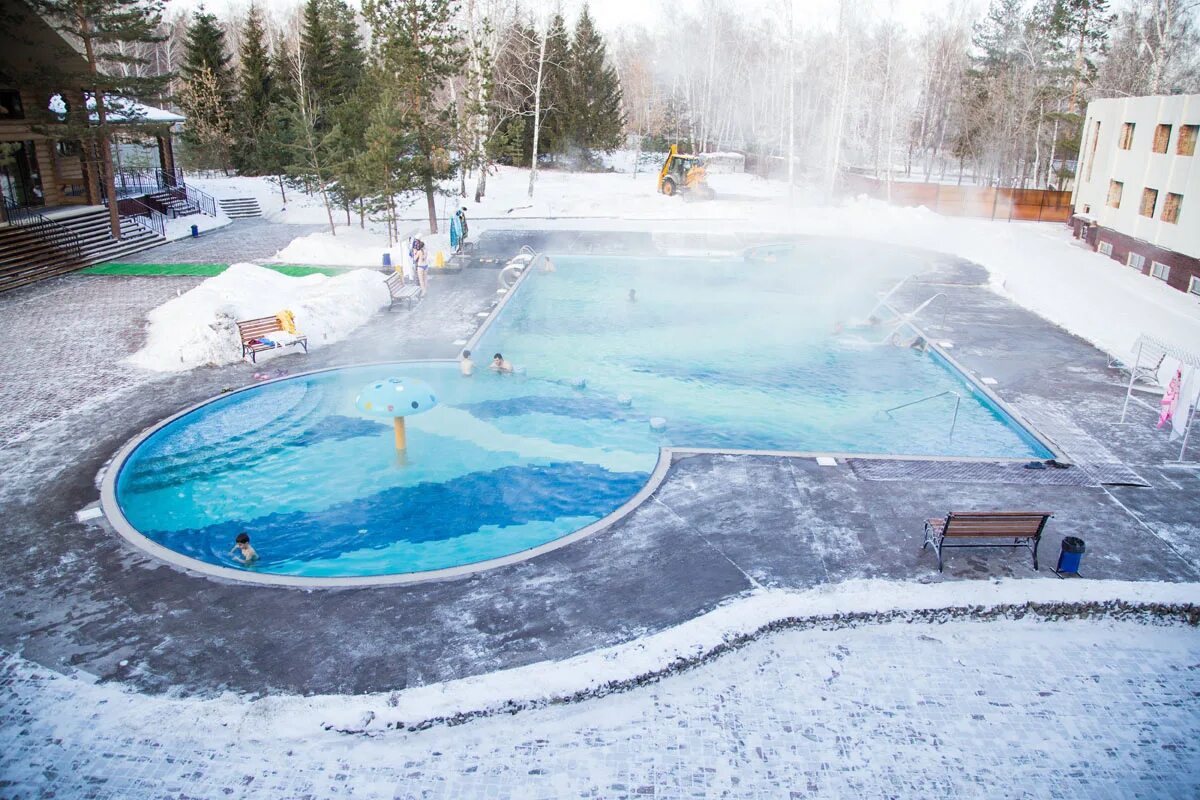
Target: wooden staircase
49,247
173,204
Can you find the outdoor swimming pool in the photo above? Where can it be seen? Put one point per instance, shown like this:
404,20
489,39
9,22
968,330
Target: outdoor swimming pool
732,356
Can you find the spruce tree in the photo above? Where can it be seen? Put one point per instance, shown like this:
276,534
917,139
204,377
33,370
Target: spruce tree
555,132
417,49
207,93
348,58
594,117
110,71
256,95
317,51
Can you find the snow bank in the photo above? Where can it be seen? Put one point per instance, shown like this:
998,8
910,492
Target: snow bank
199,327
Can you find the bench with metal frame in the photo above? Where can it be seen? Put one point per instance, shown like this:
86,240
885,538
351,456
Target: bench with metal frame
254,331
1024,528
398,290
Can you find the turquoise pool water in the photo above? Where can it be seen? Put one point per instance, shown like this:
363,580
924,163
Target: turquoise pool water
731,356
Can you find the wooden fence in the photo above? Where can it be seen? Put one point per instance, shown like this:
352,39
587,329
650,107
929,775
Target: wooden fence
1031,205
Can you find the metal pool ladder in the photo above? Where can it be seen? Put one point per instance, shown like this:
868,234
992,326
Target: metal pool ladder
957,403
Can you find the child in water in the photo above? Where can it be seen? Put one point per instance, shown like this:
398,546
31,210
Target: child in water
242,551
465,365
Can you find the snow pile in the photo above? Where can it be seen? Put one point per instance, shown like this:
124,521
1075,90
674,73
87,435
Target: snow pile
354,247
548,682
199,328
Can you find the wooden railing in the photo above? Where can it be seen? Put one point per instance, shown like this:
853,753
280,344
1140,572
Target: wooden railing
1032,205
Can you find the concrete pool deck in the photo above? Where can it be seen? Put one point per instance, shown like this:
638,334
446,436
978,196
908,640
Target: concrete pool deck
77,596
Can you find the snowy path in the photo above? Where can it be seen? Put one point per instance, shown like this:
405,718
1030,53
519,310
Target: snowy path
962,709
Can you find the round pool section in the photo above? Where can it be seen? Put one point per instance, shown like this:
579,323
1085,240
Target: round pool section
322,492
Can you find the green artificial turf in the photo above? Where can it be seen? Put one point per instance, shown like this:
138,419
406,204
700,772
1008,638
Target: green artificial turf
199,270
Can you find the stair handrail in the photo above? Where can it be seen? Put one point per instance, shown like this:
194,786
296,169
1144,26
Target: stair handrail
54,233
202,200
143,215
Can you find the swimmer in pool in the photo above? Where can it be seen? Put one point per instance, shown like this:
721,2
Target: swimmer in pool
547,265
465,365
500,364
242,551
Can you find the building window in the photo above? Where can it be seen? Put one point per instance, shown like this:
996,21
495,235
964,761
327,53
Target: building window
1159,270
1115,188
1162,138
1194,285
1136,260
1171,207
1187,140
1149,200
1127,136
10,105
1104,248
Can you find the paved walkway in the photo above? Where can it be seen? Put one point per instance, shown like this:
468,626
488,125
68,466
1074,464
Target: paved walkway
1078,709
241,240
78,596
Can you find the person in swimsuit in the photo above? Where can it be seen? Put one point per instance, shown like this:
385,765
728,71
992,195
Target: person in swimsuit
242,551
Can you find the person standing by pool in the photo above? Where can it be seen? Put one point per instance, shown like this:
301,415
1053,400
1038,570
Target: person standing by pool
500,364
462,221
421,262
242,551
465,365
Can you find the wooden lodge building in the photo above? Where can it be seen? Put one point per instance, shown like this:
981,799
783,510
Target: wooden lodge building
55,216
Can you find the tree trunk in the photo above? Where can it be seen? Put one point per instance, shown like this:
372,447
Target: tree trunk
110,179
537,114
282,193
431,202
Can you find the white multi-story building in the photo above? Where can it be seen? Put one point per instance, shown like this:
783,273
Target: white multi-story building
1137,193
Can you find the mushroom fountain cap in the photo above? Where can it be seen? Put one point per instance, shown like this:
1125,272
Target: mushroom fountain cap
395,397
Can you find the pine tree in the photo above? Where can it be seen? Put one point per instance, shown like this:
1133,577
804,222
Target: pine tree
207,92
111,70
417,50
594,115
256,96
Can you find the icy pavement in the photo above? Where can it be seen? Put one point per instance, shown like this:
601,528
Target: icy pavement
961,709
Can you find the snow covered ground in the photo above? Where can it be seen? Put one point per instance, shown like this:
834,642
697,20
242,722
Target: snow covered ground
1007,708
1038,266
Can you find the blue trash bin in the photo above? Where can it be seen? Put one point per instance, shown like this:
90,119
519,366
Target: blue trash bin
195,231
387,259
1072,553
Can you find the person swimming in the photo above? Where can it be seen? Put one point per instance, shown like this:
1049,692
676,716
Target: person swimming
242,551
500,364
465,365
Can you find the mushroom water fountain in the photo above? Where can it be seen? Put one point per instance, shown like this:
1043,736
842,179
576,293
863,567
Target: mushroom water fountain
396,398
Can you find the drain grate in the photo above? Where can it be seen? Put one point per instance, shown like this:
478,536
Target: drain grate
1116,475
967,472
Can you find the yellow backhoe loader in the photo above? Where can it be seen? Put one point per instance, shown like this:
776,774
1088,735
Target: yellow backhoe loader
684,175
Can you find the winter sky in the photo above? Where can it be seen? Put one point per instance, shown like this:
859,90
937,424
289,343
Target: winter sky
613,14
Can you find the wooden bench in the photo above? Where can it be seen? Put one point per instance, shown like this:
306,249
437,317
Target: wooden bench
399,291
254,331
1024,528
